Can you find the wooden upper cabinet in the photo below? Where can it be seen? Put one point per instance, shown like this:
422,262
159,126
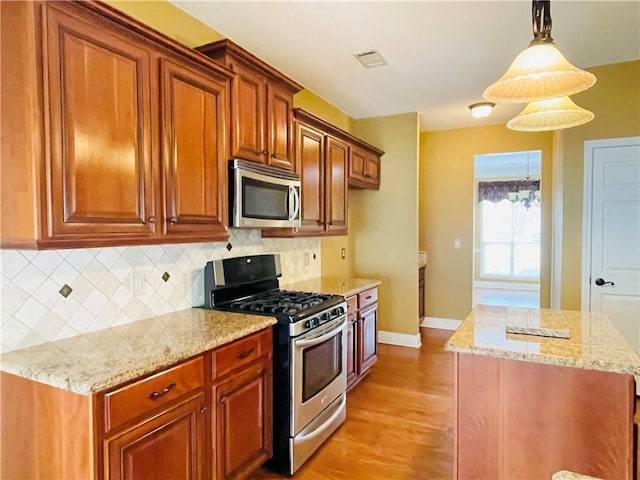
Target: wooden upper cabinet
194,107
310,147
280,125
336,186
261,106
112,134
248,110
99,105
364,166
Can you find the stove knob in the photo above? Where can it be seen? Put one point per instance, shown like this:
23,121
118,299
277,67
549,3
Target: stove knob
326,317
315,322
307,324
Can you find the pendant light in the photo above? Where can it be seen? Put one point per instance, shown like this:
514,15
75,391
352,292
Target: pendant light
540,71
550,114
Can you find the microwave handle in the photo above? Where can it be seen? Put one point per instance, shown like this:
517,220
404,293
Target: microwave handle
294,203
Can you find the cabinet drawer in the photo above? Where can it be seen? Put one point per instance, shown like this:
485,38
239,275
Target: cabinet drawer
141,397
368,297
352,304
241,352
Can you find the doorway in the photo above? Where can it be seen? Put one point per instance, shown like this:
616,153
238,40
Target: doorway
507,229
611,233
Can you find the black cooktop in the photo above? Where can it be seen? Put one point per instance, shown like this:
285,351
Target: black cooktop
280,301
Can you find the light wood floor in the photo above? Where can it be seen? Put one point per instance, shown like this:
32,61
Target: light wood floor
399,420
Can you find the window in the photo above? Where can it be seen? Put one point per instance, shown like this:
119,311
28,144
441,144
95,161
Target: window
510,245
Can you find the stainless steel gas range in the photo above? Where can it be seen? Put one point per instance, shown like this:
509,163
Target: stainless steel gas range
310,353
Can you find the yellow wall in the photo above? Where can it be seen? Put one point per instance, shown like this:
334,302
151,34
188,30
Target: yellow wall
309,101
384,224
615,101
447,204
168,19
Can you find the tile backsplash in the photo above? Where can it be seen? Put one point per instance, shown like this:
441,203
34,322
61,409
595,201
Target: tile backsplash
112,286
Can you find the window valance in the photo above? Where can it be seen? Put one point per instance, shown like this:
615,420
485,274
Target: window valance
497,191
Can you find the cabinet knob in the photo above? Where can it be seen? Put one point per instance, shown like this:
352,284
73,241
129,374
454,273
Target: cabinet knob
173,220
151,219
204,410
264,152
273,155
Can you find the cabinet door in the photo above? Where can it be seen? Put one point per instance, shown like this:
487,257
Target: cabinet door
194,111
372,170
368,337
242,424
310,151
166,445
100,181
248,116
336,185
280,127
357,163
352,349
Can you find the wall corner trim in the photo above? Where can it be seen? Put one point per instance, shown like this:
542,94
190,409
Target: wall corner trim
441,323
401,339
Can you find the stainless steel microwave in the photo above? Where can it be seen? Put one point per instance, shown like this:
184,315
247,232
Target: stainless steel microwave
261,196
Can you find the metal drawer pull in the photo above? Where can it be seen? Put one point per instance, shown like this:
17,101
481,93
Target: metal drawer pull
369,297
245,354
162,393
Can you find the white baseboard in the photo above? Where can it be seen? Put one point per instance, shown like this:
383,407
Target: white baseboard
402,339
441,323
507,285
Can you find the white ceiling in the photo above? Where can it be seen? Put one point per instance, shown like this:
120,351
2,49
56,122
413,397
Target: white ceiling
441,54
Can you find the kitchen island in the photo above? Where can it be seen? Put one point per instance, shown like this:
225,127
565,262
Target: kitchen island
538,391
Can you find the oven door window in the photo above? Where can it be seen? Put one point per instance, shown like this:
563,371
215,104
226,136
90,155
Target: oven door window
264,200
321,364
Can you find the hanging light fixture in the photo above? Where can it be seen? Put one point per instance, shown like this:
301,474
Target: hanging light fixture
550,114
529,193
540,71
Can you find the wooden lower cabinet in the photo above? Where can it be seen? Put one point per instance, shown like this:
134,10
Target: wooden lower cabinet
169,444
421,292
362,334
242,421
181,423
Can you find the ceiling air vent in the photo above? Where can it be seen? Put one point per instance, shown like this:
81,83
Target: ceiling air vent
370,59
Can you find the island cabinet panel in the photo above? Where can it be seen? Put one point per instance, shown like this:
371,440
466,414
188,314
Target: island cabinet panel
169,444
194,156
261,106
112,133
517,419
99,100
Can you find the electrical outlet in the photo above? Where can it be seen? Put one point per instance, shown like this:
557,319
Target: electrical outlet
457,243
306,258
343,253
139,282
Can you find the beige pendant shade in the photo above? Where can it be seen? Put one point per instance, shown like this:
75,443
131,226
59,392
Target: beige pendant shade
539,72
550,114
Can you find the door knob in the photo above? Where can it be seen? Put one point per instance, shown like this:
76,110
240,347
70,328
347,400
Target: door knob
601,281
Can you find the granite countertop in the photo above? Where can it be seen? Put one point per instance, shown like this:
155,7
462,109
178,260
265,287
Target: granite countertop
593,343
335,286
100,360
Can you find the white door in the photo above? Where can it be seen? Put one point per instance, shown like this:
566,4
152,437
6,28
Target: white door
612,171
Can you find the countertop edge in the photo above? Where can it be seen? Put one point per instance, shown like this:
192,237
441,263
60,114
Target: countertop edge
84,387
610,367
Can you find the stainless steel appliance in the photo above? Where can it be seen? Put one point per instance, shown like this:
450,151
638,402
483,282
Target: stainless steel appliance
261,196
310,352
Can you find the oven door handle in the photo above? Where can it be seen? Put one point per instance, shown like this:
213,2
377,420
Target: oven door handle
314,341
